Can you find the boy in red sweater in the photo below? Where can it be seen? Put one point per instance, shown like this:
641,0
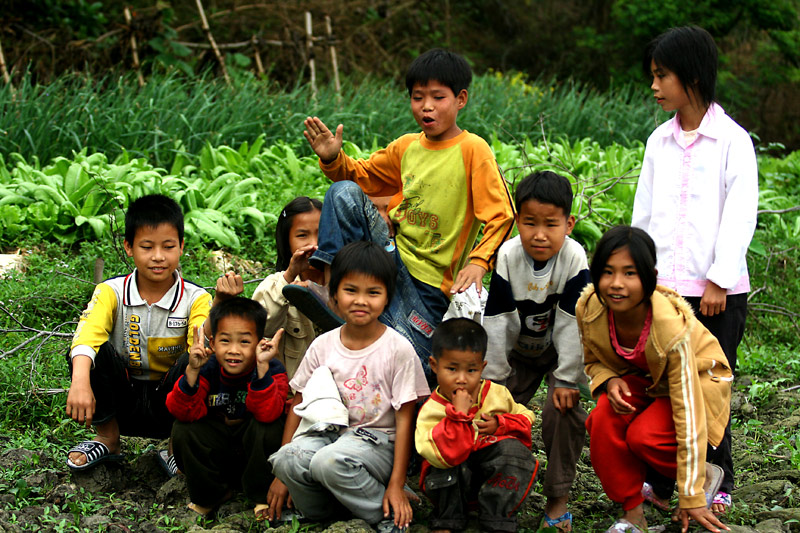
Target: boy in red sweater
474,437
229,408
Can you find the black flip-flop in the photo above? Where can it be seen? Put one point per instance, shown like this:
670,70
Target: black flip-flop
168,463
311,306
95,452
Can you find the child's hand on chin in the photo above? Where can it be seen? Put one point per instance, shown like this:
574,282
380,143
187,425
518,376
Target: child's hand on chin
462,400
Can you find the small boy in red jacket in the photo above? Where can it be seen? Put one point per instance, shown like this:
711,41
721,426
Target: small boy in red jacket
229,408
475,439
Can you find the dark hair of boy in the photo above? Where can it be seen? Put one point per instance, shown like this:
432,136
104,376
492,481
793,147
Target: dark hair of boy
545,187
240,307
641,248
461,334
301,204
691,54
150,212
444,66
367,258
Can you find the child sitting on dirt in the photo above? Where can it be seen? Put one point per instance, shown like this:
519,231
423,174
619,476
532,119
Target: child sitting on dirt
533,335
376,379
131,342
444,184
661,381
474,437
228,409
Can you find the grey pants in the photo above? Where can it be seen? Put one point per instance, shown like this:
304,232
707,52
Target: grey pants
497,479
563,435
323,470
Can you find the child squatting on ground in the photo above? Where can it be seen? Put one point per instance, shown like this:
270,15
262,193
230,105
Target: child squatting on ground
347,439
229,408
444,183
474,437
661,381
131,343
530,320
697,197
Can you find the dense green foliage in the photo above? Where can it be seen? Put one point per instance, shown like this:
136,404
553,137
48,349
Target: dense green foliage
171,115
597,43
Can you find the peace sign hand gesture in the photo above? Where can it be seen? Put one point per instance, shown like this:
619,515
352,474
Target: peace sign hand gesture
198,356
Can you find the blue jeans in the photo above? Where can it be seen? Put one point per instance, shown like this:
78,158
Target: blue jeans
323,468
348,215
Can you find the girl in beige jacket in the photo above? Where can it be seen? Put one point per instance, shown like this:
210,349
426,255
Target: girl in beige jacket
661,382
295,239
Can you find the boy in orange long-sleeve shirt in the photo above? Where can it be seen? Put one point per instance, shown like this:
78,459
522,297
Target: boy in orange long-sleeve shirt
444,183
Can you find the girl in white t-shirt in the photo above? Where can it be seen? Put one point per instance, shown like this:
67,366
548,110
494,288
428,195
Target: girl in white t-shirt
360,467
697,198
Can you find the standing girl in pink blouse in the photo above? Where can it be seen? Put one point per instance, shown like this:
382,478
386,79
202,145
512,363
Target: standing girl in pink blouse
697,197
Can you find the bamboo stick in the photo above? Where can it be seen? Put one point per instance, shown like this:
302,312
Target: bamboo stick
334,62
134,49
257,56
310,50
3,68
207,31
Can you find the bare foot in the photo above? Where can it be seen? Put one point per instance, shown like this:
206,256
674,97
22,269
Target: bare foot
261,510
108,434
555,508
199,509
636,517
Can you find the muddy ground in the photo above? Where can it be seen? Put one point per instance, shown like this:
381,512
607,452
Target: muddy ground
138,496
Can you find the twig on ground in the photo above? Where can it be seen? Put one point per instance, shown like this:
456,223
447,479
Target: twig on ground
73,277
22,344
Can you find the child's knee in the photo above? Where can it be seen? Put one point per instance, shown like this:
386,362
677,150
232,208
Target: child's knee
329,465
291,462
347,191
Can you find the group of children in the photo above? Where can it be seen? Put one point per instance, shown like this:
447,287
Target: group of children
325,422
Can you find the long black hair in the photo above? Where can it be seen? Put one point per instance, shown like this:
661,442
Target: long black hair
301,204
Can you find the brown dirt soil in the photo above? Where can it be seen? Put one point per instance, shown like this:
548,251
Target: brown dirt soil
138,496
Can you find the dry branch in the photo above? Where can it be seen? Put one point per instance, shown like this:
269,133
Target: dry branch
134,49
310,51
778,211
207,31
3,69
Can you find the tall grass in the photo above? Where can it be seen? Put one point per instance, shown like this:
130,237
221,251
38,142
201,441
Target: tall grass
171,114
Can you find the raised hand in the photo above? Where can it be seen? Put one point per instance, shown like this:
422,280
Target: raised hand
299,262
198,356
228,286
462,400
267,350
324,143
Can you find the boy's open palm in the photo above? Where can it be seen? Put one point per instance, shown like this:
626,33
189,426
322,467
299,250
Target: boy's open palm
324,143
